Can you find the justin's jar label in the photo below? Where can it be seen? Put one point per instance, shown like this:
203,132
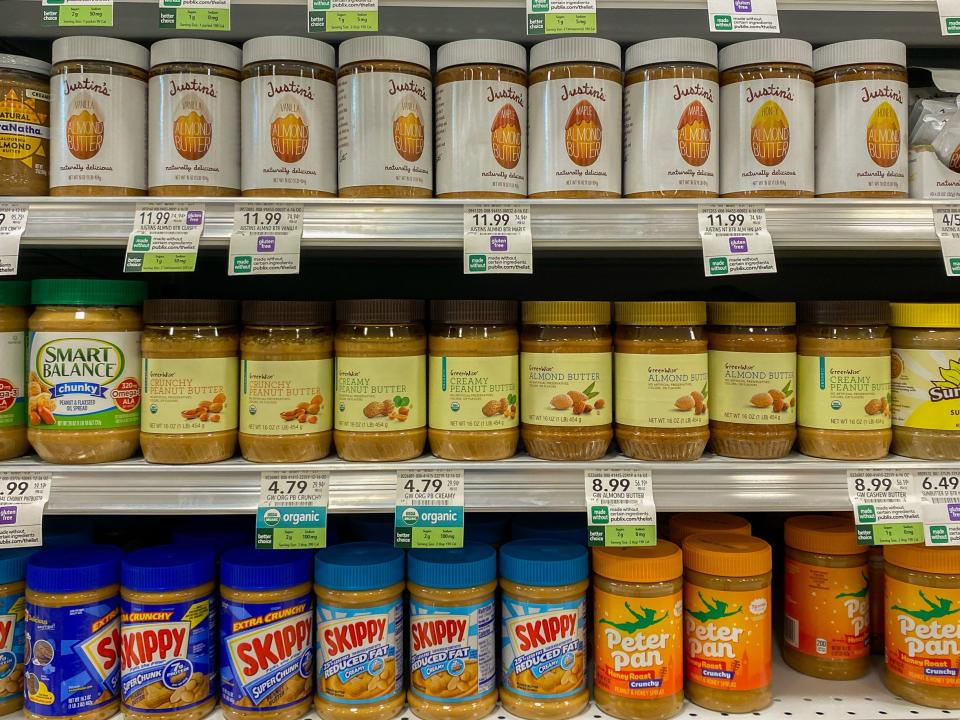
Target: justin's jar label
12,632
196,139
481,137
286,397
575,136
98,131
381,394
666,391
190,396
289,137
13,404
385,130
844,393
473,393
926,389
670,136
922,638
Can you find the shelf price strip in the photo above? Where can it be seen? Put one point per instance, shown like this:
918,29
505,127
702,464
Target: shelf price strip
497,240
265,240
735,240
554,17
429,509
165,238
343,16
202,15
620,507
292,511
886,506
23,495
939,490
13,221
949,16
748,16
946,222
76,13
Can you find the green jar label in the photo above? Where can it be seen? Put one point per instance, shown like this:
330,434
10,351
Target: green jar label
381,394
663,391
844,393
195,395
566,389
286,397
473,393
753,388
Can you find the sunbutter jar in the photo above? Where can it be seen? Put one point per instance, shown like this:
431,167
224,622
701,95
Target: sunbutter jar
576,101
194,118
481,122
98,129
671,114
288,119
24,126
14,299
861,119
384,118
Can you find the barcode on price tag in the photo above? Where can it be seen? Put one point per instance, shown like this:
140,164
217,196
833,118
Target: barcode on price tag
886,507
165,238
292,512
946,221
429,509
939,491
23,495
13,221
735,240
266,240
620,508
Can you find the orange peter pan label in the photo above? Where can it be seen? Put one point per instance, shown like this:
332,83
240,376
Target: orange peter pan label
728,636
922,638
638,645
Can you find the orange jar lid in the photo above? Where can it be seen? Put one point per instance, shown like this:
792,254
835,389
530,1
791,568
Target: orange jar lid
682,525
823,534
727,555
921,558
656,563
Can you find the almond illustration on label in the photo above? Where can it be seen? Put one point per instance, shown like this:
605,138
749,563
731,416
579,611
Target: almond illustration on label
84,132
770,134
192,132
693,134
883,135
583,134
505,137
408,130
289,134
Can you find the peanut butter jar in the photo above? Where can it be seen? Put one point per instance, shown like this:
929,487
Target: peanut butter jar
14,299
576,100
384,118
24,126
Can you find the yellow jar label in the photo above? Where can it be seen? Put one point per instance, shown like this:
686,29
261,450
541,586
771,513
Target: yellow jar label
844,393
286,397
926,389
753,388
473,393
190,395
381,394
566,389
665,391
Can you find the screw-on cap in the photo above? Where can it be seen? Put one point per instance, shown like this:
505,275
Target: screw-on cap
671,50
371,48
14,293
358,567
380,312
543,563
669,312
472,565
287,313
473,312
920,558
556,527
73,569
683,525
658,563
486,52
290,48
752,314
26,64
88,292
727,555
575,50
859,52
180,311
168,568
100,49
822,534
566,312
13,564
248,569
845,312
190,50
774,51
925,315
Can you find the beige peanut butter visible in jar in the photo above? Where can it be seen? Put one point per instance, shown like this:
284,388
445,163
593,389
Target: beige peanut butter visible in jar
25,123
14,299
13,572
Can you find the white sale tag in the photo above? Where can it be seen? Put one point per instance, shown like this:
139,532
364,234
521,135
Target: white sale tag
949,16
266,239
23,495
939,490
497,240
620,508
13,221
429,508
886,506
735,240
292,512
758,16
165,238
946,221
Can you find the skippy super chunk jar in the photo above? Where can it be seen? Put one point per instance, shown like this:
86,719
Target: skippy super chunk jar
13,572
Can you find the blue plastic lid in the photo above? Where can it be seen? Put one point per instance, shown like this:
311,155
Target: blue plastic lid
372,527
166,568
561,527
543,563
472,565
75,568
216,538
359,566
486,528
13,564
245,568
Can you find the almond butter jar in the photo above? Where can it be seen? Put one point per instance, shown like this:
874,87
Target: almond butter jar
24,125
481,122
670,116
766,119
98,124
384,118
576,101
861,124
194,118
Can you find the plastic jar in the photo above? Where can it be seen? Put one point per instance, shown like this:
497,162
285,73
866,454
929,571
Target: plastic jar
384,118
576,110
72,651
266,600
767,119
753,379
98,129
660,366
921,597
543,585
474,383
453,633
925,405
24,125
861,123
670,115
191,379
13,573
481,122
728,628
14,299
566,379
168,624
359,588
683,525
877,610
288,118
84,359
286,380
638,631
381,375
827,604
194,118
843,367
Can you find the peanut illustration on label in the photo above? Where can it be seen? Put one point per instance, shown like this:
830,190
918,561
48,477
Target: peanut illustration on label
40,403
504,406
206,410
306,411
397,409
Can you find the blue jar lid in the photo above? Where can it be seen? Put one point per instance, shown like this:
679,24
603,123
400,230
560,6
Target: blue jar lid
74,568
561,527
359,566
472,565
13,564
167,568
216,538
486,528
245,568
543,563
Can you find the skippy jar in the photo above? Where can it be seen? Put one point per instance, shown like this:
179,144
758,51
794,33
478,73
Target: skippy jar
13,571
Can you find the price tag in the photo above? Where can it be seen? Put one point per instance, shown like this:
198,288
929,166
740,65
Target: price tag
195,15
23,495
946,221
949,16
266,240
555,17
76,13
13,221
735,240
165,238
343,15
292,512
886,507
429,512
939,490
757,16
620,509
497,240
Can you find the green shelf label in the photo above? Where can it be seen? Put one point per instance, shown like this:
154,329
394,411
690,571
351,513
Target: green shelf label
179,18
348,22
77,16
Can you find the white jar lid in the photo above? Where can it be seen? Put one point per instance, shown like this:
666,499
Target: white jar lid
384,48
188,50
768,50
672,50
100,49
289,48
487,52
27,64
575,50
856,52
